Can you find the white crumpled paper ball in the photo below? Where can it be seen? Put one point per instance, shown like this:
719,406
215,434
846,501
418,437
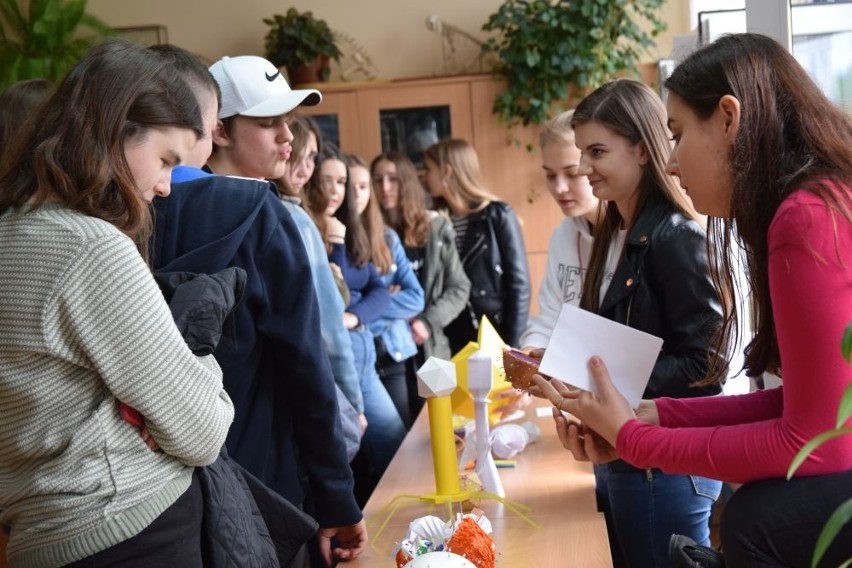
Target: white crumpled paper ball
507,440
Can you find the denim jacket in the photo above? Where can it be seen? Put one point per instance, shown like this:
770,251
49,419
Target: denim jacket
406,303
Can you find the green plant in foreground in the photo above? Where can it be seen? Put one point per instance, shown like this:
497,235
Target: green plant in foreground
843,513
46,41
550,51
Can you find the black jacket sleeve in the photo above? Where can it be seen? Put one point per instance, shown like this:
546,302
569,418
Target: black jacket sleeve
679,272
515,273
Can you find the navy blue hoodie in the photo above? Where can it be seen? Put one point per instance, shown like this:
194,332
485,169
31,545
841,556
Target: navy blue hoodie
286,430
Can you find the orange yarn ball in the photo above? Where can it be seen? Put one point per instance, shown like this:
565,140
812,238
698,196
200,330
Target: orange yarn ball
402,559
473,543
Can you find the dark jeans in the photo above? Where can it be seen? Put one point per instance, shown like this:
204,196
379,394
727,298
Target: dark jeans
392,374
645,507
415,401
173,539
776,522
385,430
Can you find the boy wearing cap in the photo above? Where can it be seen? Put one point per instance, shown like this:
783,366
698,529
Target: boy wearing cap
212,222
252,138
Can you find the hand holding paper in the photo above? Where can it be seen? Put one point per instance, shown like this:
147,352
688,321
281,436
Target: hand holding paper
604,413
578,335
584,443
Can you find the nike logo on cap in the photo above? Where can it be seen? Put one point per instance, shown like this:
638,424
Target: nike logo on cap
272,77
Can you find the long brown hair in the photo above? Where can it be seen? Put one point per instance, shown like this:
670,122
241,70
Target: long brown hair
19,104
301,127
466,191
76,149
412,221
790,137
374,224
357,241
631,110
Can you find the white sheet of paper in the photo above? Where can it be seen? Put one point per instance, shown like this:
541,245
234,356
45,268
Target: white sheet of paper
629,354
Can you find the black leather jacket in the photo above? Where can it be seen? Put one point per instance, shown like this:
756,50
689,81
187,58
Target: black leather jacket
495,260
662,286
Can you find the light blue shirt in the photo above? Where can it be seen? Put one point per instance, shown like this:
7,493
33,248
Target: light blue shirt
406,303
334,334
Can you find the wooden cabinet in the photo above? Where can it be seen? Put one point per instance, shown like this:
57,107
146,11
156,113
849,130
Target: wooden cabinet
510,170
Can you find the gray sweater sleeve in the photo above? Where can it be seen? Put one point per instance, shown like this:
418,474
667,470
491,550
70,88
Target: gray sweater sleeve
110,308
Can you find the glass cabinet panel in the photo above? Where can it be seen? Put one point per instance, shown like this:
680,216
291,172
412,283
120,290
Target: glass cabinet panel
410,131
329,127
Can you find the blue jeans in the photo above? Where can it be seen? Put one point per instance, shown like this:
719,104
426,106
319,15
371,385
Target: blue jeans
385,430
645,507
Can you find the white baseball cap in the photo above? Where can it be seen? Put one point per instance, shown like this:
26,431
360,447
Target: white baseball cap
252,86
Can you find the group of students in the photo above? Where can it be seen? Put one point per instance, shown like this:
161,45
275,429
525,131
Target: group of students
190,186
138,164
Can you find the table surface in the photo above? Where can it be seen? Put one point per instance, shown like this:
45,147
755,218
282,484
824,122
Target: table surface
558,490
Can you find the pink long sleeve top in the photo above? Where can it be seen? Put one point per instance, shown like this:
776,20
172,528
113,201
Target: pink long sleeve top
755,436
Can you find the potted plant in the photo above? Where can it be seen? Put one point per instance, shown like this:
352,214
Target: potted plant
553,50
301,43
47,41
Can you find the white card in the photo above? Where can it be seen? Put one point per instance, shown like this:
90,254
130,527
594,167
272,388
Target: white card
629,354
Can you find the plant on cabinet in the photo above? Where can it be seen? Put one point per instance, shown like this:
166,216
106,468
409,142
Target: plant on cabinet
303,44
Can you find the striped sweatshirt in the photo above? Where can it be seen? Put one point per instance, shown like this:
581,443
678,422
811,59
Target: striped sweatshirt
83,326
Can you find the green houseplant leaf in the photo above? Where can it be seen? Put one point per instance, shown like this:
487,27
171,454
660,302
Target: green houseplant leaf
843,513
813,444
551,50
46,41
841,516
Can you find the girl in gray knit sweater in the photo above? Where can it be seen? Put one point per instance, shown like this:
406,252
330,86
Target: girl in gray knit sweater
83,326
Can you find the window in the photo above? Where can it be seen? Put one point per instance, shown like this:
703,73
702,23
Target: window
821,36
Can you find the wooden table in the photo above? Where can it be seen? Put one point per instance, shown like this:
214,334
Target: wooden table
558,490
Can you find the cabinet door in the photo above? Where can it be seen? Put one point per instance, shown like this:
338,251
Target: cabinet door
514,173
414,116
337,116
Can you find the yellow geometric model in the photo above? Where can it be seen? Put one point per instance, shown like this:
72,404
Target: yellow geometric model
435,381
490,343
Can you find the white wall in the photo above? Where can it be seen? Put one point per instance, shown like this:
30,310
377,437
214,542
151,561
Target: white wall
393,32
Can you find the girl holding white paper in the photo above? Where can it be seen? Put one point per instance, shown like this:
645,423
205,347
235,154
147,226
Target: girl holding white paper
648,270
759,148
